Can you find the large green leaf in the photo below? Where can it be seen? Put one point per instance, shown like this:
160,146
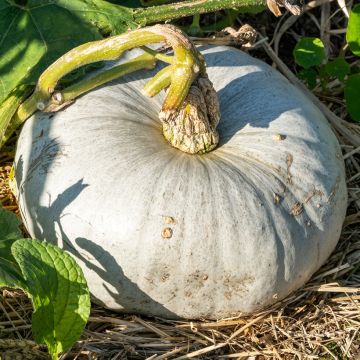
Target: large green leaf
36,34
9,226
58,291
353,30
10,274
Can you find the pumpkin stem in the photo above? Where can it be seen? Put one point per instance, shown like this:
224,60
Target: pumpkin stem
190,111
192,127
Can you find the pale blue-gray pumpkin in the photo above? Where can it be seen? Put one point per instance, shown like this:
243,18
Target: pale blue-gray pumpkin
165,233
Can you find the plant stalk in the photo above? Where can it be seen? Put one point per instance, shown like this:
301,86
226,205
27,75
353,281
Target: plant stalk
145,61
190,111
155,14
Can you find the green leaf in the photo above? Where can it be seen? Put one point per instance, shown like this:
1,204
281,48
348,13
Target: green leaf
58,291
10,274
309,52
109,18
309,75
353,30
352,91
36,34
338,68
9,226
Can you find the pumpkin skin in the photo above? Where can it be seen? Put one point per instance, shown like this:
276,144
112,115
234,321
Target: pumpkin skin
164,233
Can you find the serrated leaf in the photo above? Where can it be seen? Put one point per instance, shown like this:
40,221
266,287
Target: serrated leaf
309,52
338,68
353,30
36,34
352,91
58,291
309,75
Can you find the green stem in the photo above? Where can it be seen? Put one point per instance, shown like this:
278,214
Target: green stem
9,107
190,111
145,61
161,13
159,82
195,29
107,49
159,56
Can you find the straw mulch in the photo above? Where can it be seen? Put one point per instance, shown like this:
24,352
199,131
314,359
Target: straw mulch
319,321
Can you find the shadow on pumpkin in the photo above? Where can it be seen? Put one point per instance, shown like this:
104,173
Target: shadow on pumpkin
127,293
47,225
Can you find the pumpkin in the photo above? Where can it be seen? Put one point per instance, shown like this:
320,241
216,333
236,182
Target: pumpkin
164,233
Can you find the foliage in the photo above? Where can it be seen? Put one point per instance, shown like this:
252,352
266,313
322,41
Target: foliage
310,54
52,279
35,35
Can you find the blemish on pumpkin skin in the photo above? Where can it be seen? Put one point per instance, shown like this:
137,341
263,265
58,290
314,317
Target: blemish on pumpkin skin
279,137
289,161
234,284
297,209
169,220
276,198
313,193
196,279
333,192
166,233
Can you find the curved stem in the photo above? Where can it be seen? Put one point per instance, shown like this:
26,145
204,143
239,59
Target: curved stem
60,99
159,82
145,61
107,49
165,58
9,108
155,14
190,111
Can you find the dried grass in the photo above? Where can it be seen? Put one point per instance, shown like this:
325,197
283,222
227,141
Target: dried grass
319,321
